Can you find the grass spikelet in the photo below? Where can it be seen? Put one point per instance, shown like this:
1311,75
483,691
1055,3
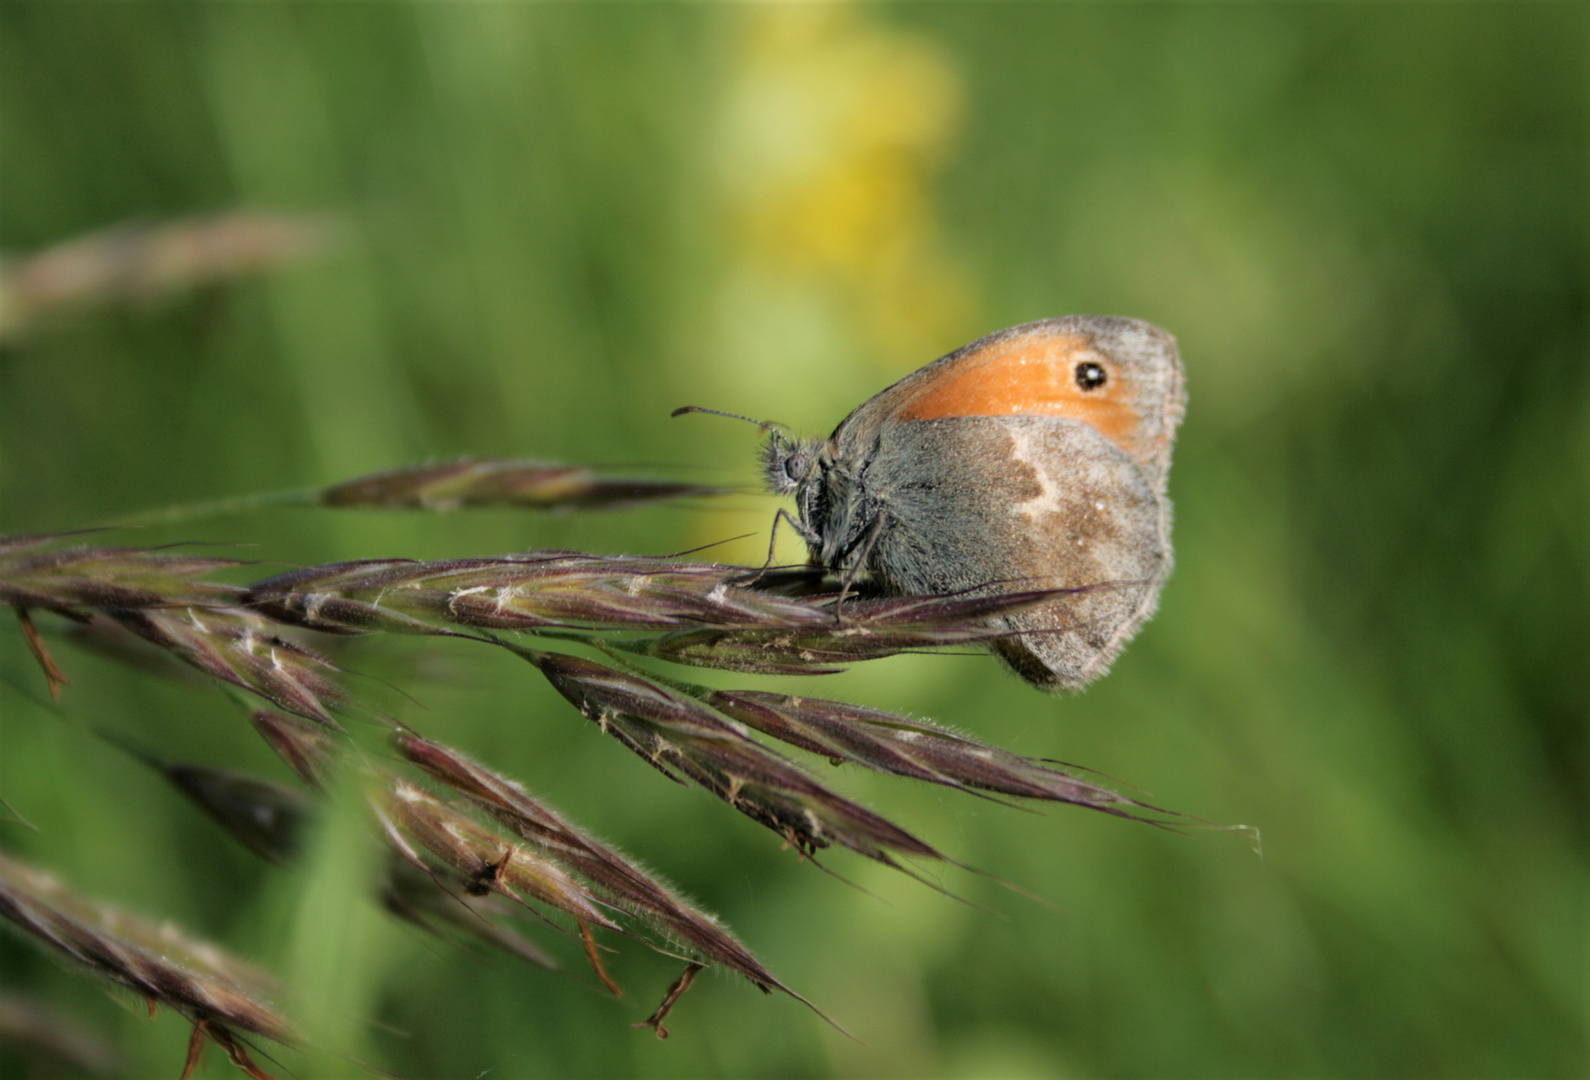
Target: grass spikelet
859,630
441,904
618,880
12,543
264,817
218,994
47,1038
140,263
485,860
270,820
886,742
487,482
67,579
71,582
309,749
955,613
534,591
241,648
100,635
689,742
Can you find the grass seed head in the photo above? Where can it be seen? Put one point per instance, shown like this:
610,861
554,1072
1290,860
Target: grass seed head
157,962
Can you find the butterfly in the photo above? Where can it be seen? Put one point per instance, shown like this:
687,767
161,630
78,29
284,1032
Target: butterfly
1033,458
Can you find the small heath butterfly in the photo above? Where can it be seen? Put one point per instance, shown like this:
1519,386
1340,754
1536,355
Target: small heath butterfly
1034,458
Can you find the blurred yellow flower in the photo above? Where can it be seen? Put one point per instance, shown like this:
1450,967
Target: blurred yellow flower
834,128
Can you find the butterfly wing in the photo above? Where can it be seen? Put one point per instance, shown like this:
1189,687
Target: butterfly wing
996,468
1036,370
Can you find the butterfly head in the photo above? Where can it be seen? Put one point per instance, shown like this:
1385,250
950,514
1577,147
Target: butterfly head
788,462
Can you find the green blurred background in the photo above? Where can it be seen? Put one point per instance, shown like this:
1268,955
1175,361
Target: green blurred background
1365,224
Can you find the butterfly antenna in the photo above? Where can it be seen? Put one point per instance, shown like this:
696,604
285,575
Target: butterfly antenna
763,424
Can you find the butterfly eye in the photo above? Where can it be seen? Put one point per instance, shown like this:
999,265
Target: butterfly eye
796,466
1091,376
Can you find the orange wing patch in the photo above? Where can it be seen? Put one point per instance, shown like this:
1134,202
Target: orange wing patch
1035,377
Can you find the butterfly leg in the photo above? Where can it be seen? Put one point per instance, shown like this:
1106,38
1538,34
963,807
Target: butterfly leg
854,567
805,532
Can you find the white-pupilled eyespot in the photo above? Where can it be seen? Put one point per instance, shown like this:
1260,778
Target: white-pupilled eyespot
1091,375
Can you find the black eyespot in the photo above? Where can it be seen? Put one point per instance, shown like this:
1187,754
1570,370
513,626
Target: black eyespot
1091,376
